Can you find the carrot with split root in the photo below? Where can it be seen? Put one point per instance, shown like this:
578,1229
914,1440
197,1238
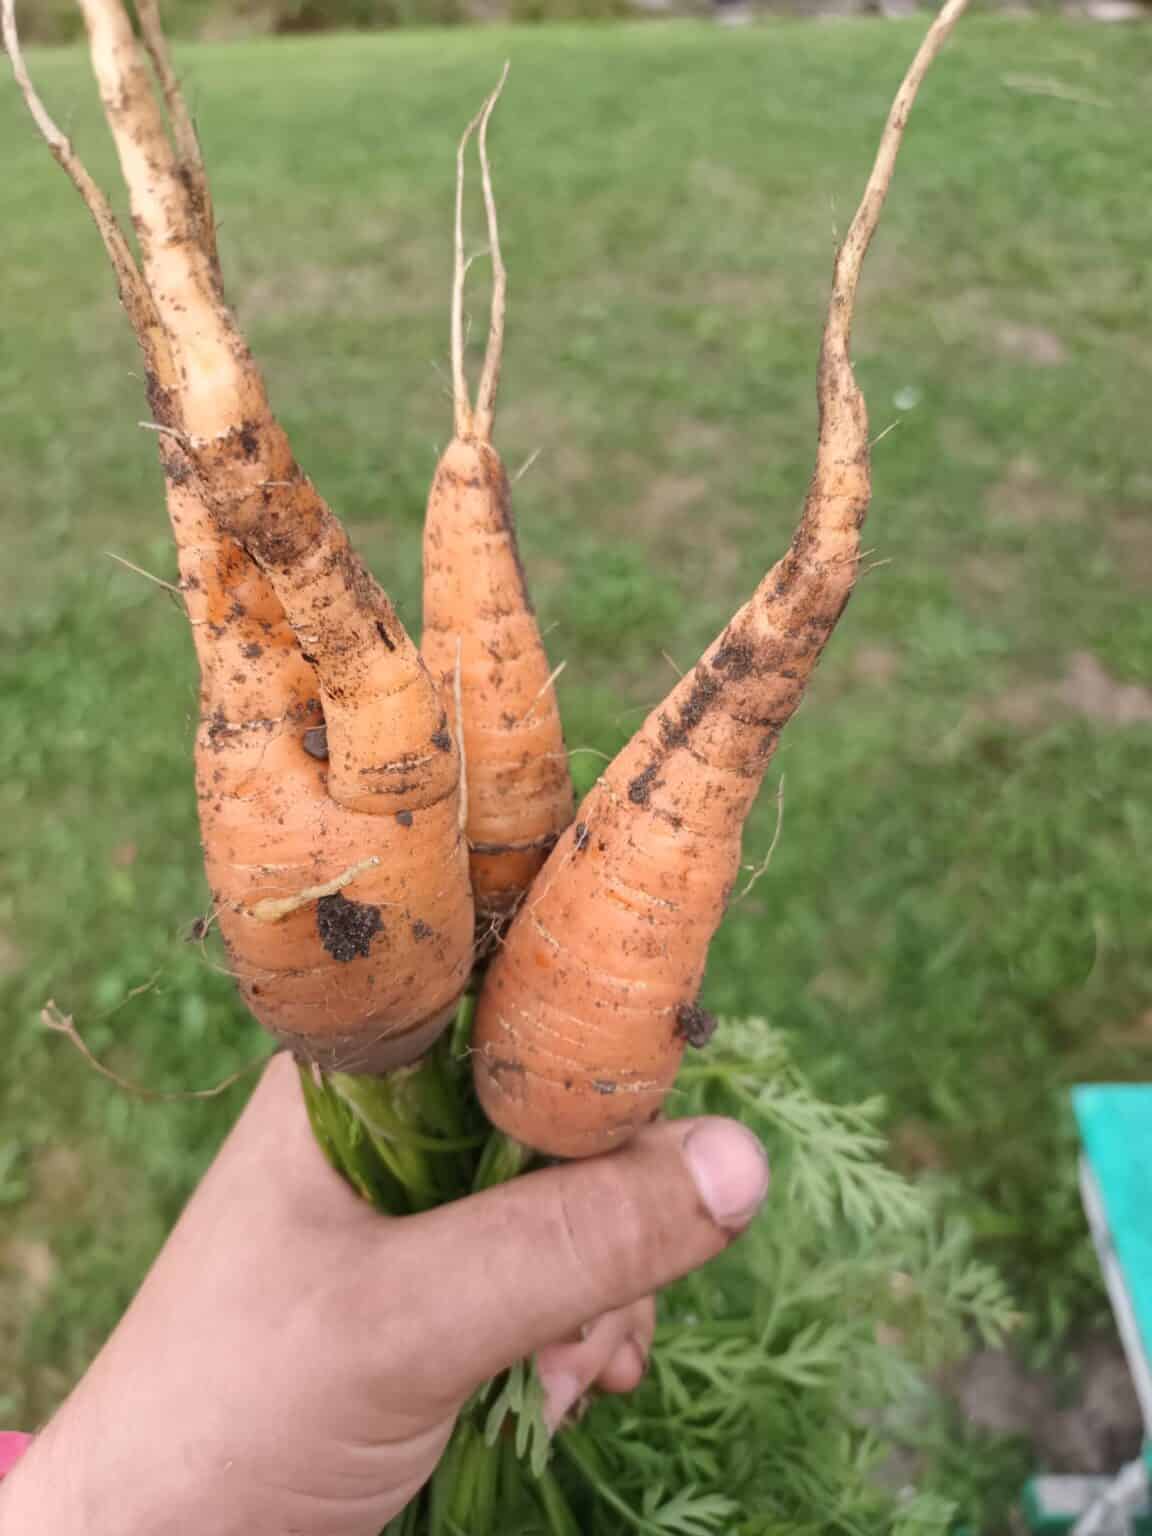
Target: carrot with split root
586,1010
480,636
327,777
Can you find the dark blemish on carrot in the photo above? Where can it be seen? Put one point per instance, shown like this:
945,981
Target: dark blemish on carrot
217,729
704,691
421,930
442,740
385,636
252,650
404,818
346,928
316,742
695,1025
641,787
735,658
603,1085
160,399
311,660
249,441
582,836
502,1064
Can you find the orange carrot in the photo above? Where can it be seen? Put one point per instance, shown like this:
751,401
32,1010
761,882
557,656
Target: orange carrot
327,775
585,1011
480,634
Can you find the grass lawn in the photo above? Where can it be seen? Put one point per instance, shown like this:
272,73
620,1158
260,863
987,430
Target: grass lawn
956,915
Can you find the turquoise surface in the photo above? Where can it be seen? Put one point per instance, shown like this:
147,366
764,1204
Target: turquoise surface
1116,1128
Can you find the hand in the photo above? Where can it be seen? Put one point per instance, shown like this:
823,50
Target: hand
294,1361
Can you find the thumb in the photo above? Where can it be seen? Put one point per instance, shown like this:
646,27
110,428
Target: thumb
529,1262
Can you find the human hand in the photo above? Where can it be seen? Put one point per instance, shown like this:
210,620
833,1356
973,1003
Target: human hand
295,1361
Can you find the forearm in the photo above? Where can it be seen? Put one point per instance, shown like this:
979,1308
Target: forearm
38,1493
94,1472
79,1479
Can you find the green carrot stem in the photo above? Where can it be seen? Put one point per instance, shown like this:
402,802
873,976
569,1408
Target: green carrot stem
502,1159
555,1507
349,1148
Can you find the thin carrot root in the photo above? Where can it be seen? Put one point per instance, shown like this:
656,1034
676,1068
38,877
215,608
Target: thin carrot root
586,1010
480,637
292,635
61,1023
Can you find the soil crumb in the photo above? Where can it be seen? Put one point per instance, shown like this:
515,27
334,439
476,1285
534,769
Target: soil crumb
346,928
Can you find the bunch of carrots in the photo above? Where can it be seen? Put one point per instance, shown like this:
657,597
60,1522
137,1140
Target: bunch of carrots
409,900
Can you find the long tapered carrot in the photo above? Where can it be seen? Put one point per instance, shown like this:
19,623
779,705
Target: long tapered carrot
480,636
328,789
586,1009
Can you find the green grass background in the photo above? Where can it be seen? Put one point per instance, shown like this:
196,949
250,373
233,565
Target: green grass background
956,914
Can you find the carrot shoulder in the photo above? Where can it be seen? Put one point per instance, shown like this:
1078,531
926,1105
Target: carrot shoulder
586,1010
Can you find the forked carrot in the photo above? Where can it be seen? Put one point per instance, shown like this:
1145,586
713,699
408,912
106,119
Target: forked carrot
327,774
480,633
585,1011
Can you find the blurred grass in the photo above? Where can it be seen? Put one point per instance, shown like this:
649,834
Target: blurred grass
955,915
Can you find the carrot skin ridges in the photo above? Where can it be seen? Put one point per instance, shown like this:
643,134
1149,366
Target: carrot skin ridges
327,772
390,749
584,1013
361,979
481,639
587,1007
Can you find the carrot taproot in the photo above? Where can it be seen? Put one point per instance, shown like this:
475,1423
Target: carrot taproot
327,775
586,1009
480,635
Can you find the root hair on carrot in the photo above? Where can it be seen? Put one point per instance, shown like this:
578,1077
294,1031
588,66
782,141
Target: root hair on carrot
60,1023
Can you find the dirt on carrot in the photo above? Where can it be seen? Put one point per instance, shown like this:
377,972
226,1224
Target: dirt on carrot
320,725
480,637
580,1024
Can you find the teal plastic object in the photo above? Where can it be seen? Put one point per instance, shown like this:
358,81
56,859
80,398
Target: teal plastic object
1115,1121
1051,1506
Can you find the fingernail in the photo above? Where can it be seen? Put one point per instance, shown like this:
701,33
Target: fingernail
562,1391
729,1169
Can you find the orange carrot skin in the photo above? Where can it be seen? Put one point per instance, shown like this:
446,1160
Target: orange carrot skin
340,883
390,749
479,620
364,979
585,1011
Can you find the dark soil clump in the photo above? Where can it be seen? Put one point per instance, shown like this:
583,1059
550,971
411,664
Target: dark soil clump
346,928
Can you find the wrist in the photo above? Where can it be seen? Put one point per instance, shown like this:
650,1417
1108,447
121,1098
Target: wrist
34,1495
70,1481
